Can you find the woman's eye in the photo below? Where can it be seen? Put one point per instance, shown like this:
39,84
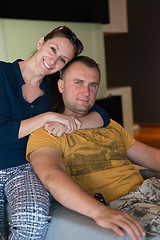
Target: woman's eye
62,60
53,50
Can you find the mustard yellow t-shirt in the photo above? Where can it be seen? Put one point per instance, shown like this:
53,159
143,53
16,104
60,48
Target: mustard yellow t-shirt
95,158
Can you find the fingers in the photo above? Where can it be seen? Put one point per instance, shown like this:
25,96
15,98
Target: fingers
63,124
48,127
55,128
78,123
118,230
135,225
72,125
70,122
121,222
129,227
57,132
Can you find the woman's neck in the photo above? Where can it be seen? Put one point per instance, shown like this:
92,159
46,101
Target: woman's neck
29,72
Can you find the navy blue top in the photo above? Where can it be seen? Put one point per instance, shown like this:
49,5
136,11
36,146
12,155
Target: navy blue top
14,108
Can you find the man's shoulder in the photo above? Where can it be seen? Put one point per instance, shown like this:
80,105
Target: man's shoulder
40,132
114,123
41,135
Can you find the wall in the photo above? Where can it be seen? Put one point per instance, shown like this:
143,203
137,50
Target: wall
133,59
18,39
118,21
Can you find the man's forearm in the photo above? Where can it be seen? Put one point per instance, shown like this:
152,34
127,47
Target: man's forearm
49,167
66,191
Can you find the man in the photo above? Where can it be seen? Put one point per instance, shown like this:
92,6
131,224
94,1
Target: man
74,167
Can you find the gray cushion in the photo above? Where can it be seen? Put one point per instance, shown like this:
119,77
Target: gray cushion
67,225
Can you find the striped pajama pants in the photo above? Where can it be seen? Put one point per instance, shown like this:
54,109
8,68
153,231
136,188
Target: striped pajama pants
29,202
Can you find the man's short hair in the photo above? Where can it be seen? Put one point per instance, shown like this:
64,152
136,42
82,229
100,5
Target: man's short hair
87,61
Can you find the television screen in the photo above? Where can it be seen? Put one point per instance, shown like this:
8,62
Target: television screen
113,105
95,11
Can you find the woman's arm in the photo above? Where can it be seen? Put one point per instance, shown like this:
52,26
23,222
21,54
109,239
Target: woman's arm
97,117
32,124
13,129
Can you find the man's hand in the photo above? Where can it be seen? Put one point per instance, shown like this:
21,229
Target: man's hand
119,222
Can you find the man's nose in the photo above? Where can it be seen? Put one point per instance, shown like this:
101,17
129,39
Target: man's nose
86,90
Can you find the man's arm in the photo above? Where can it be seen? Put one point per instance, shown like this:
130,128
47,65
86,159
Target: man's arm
49,166
144,155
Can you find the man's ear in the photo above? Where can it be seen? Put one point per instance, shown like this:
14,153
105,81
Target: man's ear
40,43
60,85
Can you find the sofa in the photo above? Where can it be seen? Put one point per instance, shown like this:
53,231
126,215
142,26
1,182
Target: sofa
67,225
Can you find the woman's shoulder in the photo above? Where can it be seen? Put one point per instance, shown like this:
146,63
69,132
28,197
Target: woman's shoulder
4,70
5,65
9,69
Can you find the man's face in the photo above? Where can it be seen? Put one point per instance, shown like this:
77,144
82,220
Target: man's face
79,88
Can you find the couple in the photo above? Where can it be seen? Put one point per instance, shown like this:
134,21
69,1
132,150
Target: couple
74,167
26,99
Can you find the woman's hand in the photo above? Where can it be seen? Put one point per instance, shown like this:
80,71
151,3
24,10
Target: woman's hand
63,124
55,128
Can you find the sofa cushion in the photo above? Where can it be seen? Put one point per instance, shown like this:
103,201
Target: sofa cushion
67,224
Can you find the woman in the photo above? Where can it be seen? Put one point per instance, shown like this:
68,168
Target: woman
26,102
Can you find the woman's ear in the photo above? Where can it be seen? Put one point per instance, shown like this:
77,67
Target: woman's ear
60,85
40,43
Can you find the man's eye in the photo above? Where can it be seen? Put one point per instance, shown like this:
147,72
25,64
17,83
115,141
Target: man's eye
53,49
79,83
93,85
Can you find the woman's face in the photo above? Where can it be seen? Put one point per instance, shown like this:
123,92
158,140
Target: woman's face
53,55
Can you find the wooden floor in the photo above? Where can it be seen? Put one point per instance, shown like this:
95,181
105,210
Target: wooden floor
148,134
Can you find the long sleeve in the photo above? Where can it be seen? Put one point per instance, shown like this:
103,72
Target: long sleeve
14,109
9,126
